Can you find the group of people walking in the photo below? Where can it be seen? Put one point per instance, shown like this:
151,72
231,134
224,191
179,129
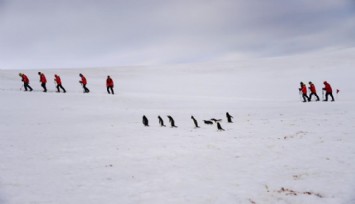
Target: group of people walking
58,82
110,84
327,89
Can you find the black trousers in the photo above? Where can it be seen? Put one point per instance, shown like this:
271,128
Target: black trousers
86,90
329,94
26,85
60,86
110,88
44,87
310,96
305,98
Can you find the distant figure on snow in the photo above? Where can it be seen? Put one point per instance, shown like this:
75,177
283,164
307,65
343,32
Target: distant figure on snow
328,91
83,82
219,127
58,81
229,117
171,120
195,121
43,81
145,121
216,120
161,121
303,90
109,85
313,91
26,81
208,122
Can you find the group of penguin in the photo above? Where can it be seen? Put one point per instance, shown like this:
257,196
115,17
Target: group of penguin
172,122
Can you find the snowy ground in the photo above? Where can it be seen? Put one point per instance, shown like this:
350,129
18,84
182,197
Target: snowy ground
92,148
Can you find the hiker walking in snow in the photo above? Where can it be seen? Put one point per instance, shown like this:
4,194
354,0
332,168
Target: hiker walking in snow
313,91
43,80
328,91
303,89
109,85
26,81
83,82
58,81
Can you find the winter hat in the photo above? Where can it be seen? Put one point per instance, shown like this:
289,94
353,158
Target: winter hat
310,82
20,74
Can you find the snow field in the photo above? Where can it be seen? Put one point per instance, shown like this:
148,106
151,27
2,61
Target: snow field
91,148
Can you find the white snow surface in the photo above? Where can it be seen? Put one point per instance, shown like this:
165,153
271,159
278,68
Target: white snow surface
93,148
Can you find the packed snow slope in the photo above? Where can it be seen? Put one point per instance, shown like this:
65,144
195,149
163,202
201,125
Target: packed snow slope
93,148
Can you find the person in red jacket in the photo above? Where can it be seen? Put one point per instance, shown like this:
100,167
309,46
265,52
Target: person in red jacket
84,82
26,81
313,91
303,89
328,91
58,81
109,85
43,81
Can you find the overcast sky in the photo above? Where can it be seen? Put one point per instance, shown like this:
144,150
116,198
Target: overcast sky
96,33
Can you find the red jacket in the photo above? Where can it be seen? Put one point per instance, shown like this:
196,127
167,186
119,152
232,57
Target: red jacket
304,89
109,82
25,79
312,88
83,80
42,78
327,87
57,80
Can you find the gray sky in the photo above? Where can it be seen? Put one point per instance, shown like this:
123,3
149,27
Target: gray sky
96,33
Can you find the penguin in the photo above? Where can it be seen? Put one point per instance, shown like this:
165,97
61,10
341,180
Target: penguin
161,122
145,121
219,127
195,121
208,122
171,120
216,120
229,118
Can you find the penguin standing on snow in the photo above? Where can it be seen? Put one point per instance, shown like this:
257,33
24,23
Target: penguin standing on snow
195,121
145,121
229,118
171,120
219,127
161,122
